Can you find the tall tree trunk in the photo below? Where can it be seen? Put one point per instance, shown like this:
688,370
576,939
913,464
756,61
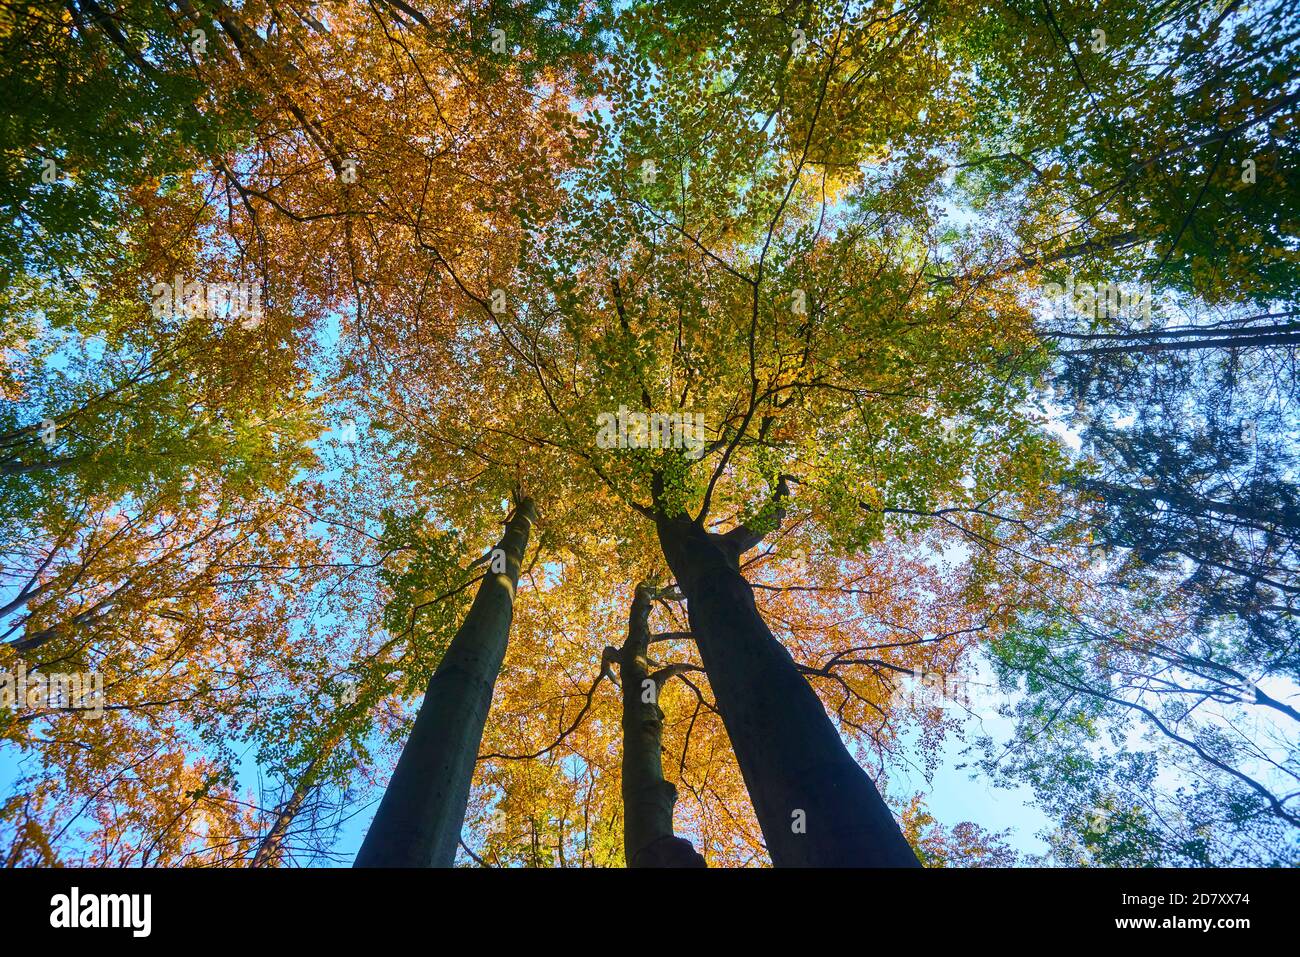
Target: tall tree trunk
648,800
419,819
816,806
268,849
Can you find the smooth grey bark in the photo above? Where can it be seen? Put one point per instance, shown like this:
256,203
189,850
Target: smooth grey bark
419,819
648,799
816,806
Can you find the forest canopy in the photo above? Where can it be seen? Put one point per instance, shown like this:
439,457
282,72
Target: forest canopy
572,433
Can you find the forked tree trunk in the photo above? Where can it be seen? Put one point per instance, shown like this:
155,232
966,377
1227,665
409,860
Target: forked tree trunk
816,806
648,799
419,819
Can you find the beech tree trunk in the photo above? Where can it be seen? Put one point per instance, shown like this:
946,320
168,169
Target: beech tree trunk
269,848
648,799
419,819
816,806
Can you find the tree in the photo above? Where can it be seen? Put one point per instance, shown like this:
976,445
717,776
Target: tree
648,800
100,99
419,820
816,805
165,378
624,307
751,302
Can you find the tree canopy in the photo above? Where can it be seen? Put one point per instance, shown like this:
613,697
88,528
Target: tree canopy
707,388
